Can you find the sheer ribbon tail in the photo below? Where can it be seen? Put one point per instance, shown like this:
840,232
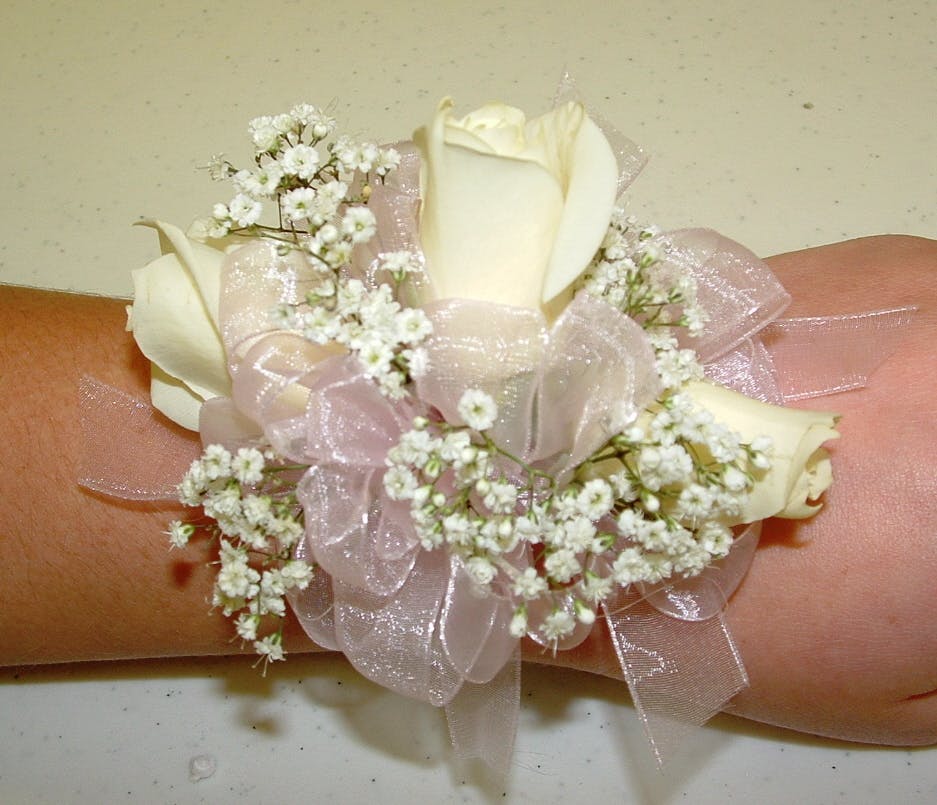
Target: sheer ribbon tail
483,718
844,350
680,673
630,156
129,450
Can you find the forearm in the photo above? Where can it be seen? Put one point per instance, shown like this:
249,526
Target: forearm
85,576
835,631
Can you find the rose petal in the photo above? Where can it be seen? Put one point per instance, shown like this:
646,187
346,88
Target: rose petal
487,221
174,398
173,326
591,187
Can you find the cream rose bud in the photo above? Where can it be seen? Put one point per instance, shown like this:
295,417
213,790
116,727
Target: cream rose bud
174,319
513,210
800,468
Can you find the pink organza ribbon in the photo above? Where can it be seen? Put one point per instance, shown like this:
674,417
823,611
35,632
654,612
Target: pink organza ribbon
409,618
130,450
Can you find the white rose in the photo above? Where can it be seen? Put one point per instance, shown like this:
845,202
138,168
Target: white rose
513,210
174,319
800,468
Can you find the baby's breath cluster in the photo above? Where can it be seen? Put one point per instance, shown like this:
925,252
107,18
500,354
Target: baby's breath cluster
369,322
257,521
629,273
321,189
315,185
646,506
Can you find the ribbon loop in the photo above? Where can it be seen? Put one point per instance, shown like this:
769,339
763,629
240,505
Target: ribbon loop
680,672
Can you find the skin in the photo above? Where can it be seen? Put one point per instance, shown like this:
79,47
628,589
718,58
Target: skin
833,620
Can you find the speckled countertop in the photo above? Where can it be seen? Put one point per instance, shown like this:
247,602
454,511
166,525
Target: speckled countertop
783,125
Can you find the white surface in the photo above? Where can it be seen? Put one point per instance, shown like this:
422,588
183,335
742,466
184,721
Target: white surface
781,124
315,731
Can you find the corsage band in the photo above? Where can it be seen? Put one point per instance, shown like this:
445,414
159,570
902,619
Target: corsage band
451,396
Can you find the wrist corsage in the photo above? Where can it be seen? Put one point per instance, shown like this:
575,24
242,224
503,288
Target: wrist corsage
453,397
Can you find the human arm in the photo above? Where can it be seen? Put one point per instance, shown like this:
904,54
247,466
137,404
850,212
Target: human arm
91,578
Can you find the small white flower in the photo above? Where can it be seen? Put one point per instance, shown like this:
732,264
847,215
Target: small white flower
529,528
454,445
584,614
629,567
659,567
400,483
296,573
271,582
259,184
595,499
224,503
216,462
264,134
299,203
300,160
692,561
648,255
179,533
501,498
304,113
722,443
596,588
653,534
412,325
238,580
283,123
359,224
321,124
714,538
248,465
218,168
622,487
399,263
244,210
270,648
228,604
734,479
695,501
477,409
557,624
459,530
338,253
578,534
193,486
529,584
762,448
333,191
376,357
287,530
355,156
518,627
387,160
271,604
562,565
246,626
481,570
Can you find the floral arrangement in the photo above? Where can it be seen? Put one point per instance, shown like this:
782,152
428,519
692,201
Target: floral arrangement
453,396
